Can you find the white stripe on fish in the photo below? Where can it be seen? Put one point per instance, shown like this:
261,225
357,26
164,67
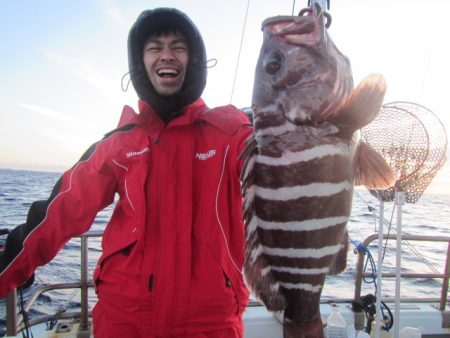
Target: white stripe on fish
249,197
277,130
249,166
266,270
302,286
299,252
306,225
312,271
295,192
251,227
256,252
289,157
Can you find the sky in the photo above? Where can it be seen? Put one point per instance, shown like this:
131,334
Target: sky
62,63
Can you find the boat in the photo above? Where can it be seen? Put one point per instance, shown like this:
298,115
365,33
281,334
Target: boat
430,315
381,316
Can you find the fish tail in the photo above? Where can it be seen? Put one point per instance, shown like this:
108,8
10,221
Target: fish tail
311,329
259,278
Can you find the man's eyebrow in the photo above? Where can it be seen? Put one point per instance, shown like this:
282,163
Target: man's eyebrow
180,40
156,39
153,40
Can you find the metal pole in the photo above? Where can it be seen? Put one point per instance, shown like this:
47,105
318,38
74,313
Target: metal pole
11,313
83,330
444,290
399,201
379,270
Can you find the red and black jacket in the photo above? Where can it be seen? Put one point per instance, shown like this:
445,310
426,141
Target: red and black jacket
175,242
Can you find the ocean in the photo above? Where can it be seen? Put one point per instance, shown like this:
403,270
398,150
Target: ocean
429,216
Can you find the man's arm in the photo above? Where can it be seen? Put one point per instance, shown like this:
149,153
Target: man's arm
70,210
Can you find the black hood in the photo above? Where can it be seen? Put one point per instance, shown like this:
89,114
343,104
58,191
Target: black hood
149,22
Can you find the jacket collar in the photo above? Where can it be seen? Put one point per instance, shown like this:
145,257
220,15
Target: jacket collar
223,118
153,124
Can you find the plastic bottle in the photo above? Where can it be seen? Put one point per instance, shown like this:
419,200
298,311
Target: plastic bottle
351,332
383,334
336,325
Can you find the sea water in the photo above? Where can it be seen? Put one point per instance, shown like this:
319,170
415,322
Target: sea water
429,216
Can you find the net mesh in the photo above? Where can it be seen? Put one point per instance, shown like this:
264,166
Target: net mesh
413,141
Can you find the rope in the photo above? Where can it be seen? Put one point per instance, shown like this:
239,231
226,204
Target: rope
416,252
368,302
370,261
239,53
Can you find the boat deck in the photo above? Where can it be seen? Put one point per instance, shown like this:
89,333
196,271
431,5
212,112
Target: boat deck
430,315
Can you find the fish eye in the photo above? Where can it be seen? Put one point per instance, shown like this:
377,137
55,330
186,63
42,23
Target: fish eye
273,63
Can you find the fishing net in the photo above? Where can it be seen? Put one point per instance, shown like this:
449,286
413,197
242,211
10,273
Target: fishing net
413,141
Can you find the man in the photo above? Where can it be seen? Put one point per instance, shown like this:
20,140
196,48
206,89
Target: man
173,249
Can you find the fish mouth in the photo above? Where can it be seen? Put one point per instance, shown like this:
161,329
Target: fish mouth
300,30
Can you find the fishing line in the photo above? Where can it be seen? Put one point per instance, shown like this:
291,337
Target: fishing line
369,207
421,257
51,323
239,53
389,231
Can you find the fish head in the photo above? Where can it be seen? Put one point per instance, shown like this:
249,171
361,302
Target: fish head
300,72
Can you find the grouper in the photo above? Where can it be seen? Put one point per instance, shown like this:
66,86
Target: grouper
301,165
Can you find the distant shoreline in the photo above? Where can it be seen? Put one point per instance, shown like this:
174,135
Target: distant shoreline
439,186
38,168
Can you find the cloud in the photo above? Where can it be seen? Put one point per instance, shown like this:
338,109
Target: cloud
85,70
113,12
62,139
55,115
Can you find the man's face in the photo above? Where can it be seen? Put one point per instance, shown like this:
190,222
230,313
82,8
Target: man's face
165,59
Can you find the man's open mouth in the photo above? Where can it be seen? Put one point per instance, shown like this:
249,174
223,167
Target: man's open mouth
168,72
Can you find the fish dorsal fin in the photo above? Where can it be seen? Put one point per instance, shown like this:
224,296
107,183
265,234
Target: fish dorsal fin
371,170
363,104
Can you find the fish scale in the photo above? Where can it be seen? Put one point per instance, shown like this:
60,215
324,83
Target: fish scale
300,167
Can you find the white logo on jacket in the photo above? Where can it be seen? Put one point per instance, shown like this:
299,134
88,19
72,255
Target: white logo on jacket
136,153
205,156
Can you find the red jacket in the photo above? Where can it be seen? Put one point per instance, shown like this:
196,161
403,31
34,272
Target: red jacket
173,249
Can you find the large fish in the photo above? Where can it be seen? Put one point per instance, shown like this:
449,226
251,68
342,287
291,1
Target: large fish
301,165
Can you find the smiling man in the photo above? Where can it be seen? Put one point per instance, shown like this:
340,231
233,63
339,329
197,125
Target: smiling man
174,247
165,60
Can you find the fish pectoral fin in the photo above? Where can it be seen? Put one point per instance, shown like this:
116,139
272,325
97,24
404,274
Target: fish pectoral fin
363,104
371,170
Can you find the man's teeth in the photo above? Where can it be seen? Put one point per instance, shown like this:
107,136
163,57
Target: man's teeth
163,72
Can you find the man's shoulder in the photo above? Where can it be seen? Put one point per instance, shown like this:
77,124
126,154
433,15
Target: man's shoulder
226,118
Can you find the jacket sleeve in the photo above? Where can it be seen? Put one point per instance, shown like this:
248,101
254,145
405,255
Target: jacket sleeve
79,194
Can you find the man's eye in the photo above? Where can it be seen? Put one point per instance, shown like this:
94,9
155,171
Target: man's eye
153,49
179,48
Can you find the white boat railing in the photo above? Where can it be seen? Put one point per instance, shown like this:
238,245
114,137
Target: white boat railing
14,320
443,300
